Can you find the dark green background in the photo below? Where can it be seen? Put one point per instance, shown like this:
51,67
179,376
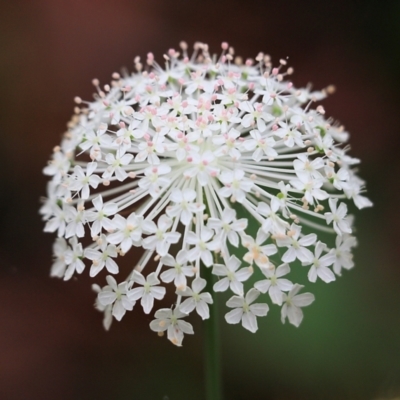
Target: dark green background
52,345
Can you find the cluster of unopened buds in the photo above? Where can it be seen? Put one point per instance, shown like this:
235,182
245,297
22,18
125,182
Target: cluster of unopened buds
207,165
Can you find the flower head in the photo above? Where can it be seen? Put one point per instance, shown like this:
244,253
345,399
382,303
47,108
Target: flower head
180,164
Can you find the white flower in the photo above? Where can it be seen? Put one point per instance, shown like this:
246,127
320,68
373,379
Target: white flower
184,205
94,141
257,253
233,276
179,168
154,181
161,238
116,295
201,166
228,144
126,134
128,231
336,178
228,227
306,168
58,166
290,135
179,269
310,186
202,246
100,216
262,145
296,248
236,185
246,312
76,218
274,285
169,320
82,181
58,221
255,115
273,223
196,300
338,216
343,258
148,292
103,258
320,265
60,247
73,258
149,150
293,303
116,164
106,310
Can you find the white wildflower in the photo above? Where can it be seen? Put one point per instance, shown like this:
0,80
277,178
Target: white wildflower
196,300
246,312
148,292
174,168
116,296
293,303
170,321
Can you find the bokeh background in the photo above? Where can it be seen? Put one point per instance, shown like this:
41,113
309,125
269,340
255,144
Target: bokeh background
52,345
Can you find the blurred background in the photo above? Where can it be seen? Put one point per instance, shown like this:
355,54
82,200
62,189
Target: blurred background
52,344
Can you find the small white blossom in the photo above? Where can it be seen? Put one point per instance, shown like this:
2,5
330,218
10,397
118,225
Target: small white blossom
106,310
202,246
116,296
343,258
293,303
100,216
246,312
261,146
161,239
148,292
179,269
82,181
274,285
73,258
170,321
338,216
228,227
103,258
296,246
60,247
236,185
233,276
257,252
116,164
196,300
128,231
184,206
320,265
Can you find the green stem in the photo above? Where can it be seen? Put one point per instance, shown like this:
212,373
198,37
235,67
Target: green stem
212,345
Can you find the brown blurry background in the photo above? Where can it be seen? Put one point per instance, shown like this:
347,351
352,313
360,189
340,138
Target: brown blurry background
52,345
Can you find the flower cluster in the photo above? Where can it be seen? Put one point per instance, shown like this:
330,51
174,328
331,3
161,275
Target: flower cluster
208,163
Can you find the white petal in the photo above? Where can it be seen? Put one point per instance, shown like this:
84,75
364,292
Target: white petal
259,309
106,297
147,302
249,321
234,316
